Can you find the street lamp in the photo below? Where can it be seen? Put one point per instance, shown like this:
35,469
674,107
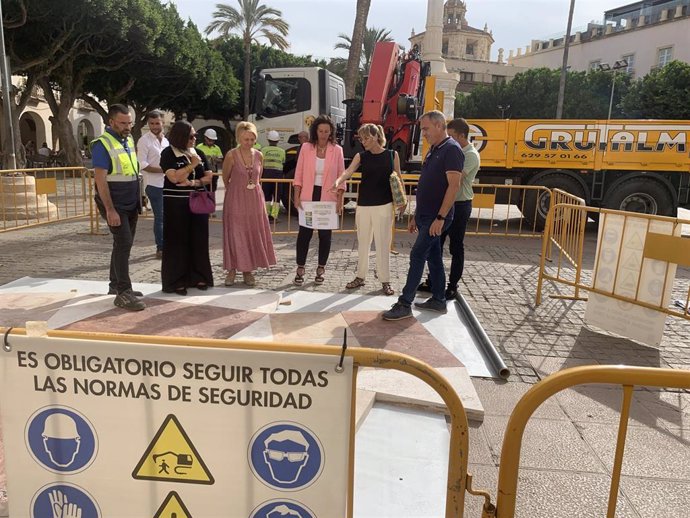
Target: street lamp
503,109
605,67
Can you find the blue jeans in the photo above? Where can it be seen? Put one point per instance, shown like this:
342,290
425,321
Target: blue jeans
155,196
425,249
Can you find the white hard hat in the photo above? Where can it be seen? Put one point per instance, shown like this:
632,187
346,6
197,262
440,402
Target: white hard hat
273,136
60,426
211,134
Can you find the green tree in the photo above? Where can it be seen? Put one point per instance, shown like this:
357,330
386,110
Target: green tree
661,94
533,94
252,21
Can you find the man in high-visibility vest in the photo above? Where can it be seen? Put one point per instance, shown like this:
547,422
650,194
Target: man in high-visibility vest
211,150
274,160
118,198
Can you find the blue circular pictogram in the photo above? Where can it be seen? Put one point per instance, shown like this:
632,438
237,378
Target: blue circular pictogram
286,456
282,509
64,500
61,439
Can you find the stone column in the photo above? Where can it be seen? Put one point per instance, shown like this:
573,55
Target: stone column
431,51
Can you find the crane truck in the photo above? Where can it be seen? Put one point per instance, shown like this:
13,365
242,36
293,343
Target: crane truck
632,165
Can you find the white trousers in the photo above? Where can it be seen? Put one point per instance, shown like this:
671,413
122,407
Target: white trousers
376,222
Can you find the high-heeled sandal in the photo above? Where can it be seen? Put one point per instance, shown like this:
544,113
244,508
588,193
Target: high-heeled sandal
320,270
355,283
386,288
299,276
230,278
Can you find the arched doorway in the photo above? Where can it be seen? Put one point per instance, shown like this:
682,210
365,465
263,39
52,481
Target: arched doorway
85,134
32,130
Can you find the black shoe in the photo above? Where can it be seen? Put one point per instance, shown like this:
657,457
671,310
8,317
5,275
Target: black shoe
397,312
432,305
111,291
127,300
451,293
425,286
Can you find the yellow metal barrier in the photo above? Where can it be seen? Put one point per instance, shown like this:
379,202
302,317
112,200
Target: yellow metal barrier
627,377
31,197
565,230
458,455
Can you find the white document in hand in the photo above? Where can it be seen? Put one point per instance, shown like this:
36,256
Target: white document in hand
320,215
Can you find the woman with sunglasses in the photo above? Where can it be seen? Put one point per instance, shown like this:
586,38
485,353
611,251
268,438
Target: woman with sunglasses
186,262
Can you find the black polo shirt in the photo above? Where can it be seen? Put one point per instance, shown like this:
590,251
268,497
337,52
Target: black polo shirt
433,183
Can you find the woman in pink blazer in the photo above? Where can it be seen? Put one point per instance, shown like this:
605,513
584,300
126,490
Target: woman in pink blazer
320,162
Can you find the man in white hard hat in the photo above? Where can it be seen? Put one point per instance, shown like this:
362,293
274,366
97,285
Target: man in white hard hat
274,160
61,439
211,150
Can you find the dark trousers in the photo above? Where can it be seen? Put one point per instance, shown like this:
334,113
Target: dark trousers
155,196
272,191
456,233
426,249
186,261
304,238
123,239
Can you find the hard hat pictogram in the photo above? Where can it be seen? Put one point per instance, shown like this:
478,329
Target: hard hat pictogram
61,439
172,457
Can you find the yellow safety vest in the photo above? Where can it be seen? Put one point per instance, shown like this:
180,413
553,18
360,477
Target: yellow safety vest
125,166
211,151
274,157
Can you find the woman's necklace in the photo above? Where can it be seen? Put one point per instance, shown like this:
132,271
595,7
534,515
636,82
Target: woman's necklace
250,169
321,151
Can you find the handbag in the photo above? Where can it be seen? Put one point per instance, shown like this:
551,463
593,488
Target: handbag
397,187
202,202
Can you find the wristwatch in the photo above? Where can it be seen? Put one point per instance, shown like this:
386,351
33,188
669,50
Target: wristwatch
440,218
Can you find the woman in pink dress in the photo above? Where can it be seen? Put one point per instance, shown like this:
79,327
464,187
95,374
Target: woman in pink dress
247,242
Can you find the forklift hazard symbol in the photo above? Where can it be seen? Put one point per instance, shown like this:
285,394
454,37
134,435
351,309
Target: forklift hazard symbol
172,506
171,457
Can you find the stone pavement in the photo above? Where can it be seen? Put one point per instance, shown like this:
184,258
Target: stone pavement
568,447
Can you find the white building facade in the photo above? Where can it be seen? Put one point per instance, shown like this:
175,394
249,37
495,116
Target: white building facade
467,50
647,34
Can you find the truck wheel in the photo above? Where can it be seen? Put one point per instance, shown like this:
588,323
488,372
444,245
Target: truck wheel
642,195
536,204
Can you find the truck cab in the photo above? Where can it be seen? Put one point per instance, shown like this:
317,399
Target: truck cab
288,100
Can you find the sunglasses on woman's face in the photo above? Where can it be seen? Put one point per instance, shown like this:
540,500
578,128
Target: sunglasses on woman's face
192,136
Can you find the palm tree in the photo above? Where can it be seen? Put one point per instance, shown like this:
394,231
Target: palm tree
372,35
252,21
353,60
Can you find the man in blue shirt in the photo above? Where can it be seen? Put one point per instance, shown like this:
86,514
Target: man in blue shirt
438,184
118,199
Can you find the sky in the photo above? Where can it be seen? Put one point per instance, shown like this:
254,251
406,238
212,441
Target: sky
316,24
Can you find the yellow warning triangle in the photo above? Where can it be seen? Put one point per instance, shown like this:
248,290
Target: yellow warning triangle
172,507
171,457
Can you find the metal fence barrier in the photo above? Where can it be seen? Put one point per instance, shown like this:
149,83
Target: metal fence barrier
565,231
627,377
30,197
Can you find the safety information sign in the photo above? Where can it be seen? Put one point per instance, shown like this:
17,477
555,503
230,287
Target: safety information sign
621,268
94,429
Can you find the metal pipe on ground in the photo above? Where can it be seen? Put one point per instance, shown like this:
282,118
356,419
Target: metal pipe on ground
483,339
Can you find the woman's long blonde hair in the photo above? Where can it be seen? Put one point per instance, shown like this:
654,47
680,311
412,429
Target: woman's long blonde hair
245,126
